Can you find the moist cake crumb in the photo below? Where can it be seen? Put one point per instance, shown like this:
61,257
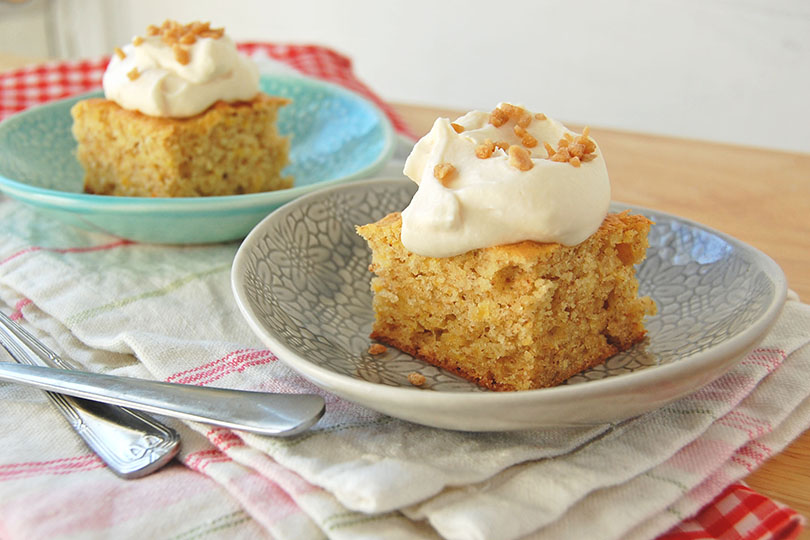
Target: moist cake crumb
228,149
516,316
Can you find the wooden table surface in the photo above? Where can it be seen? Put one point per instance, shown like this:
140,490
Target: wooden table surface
759,196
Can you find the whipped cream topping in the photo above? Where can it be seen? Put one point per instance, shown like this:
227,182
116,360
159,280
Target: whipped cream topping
490,201
160,78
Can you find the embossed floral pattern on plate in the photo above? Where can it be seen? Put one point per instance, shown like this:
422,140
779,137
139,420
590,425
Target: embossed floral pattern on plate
302,281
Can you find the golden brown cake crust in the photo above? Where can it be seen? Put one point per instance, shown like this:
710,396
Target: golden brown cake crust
512,317
230,148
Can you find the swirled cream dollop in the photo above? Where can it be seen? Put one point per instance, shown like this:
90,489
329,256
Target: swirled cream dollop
178,71
493,178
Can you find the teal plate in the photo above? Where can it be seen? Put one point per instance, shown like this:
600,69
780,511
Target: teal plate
336,136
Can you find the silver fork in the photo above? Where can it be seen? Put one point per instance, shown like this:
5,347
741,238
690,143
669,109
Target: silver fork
130,442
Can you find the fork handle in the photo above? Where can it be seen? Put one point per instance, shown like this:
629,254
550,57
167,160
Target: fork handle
131,443
258,412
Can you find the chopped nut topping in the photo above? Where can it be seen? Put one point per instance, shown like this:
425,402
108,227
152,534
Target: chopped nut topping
485,149
524,119
180,54
377,348
444,172
458,128
512,111
119,53
562,155
519,158
176,35
498,117
526,138
590,146
576,149
570,149
507,112
573,150
133,74
172,32
416,379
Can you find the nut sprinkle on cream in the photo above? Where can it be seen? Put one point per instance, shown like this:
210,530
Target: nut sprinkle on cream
179,70
503,176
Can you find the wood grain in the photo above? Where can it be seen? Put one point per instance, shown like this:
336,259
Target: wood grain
759,196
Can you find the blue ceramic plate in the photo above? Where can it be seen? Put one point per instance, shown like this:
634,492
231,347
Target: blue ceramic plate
336,136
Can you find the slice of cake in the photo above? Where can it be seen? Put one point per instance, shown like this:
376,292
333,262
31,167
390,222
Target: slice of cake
230,148
506,267
182,117
513,317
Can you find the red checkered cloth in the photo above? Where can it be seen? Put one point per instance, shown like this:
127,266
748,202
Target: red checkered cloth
736,513
739,513
34,85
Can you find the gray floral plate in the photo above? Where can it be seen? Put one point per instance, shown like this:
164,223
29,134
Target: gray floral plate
301,280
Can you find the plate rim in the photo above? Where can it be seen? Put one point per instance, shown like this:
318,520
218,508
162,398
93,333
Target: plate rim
78,201
725,354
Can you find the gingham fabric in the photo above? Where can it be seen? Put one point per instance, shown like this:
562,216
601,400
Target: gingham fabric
101,301
34,85
739,512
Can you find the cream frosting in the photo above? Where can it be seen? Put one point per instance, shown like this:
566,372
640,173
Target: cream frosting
148,77
489,202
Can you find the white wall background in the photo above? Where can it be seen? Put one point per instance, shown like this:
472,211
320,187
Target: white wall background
723,70
24,29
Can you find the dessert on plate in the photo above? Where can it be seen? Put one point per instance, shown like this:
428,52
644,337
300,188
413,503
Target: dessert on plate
506,267
182,116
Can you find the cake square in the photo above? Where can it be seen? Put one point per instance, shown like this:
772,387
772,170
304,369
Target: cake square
512,317
230,148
